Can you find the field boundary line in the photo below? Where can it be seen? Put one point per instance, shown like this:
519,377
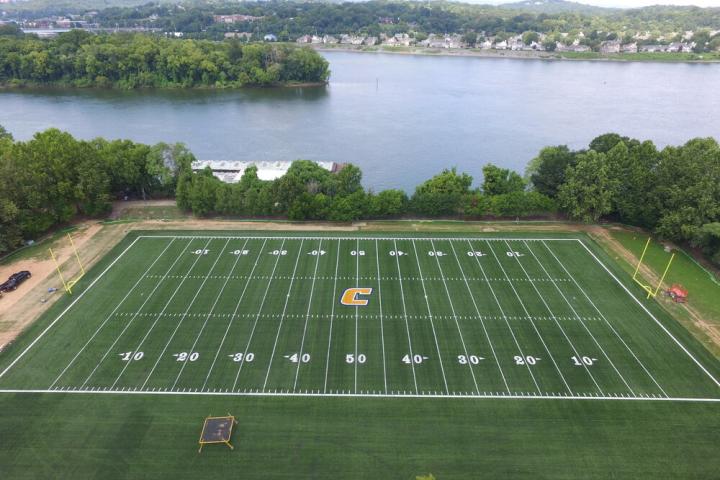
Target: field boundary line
507,322
332,317
282,317
679,344
457,324
234,314
482,322
257,317
369,395
351,237
432,322
102,325
22,354
127,364
307,316
407,325
580,319
212,309
552,314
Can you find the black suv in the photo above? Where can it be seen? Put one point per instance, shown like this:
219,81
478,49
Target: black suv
14,281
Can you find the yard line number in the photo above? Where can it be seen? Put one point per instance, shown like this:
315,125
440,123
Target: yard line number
527,360
580,361
471,359
297,358
200,251
416,359
238,357
350,358
131,356
240,252
186,356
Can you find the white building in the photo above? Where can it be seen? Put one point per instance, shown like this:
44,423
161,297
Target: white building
231,171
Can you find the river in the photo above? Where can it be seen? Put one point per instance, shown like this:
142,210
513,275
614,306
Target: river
401,118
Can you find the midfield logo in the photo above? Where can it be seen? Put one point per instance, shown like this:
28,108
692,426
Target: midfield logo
350,297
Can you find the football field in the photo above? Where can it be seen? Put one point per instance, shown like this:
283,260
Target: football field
235,314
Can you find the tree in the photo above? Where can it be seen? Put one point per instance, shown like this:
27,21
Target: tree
387,203
470,38
708,238
347,180
442,194
530,37
4,134
203,192
546,172
586,194
499,181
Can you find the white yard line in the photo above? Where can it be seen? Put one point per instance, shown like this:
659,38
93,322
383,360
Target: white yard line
135,315
622,340
282,317
332,316
578,355
457,323
234,314
527,314
357,284
382,333
432,322
127,364
212,309
257,317
132,289
71,391
407,325
507,322
52,324
607,357
184,315
307,316
479,316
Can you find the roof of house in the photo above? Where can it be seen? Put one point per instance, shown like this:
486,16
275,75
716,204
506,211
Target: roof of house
231,171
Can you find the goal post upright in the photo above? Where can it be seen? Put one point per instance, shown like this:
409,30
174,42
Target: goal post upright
68,284
648,288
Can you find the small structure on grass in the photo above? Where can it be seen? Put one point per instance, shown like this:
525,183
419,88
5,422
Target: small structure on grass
217,430
678,293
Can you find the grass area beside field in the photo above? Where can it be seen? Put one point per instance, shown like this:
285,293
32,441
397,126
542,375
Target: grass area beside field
136,435
703,285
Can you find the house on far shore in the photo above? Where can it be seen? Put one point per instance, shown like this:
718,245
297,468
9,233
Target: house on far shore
241,35
653,48
304,39
629,48
610,47
270,38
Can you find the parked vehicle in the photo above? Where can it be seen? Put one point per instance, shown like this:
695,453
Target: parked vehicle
14,281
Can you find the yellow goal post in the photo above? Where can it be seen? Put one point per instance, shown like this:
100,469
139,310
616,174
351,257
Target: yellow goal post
68,284
648,288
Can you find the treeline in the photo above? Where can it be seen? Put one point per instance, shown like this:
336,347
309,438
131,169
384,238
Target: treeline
53,178
81,59
289,20
674,192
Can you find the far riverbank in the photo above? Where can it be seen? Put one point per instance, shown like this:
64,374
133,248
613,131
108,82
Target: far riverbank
526,55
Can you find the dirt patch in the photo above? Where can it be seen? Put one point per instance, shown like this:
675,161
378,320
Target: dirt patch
20,308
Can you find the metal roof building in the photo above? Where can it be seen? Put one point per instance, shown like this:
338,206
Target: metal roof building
230,171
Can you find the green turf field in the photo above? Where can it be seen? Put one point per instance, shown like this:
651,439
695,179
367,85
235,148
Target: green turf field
473,317
507,356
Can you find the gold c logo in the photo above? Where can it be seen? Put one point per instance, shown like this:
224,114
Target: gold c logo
349,298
